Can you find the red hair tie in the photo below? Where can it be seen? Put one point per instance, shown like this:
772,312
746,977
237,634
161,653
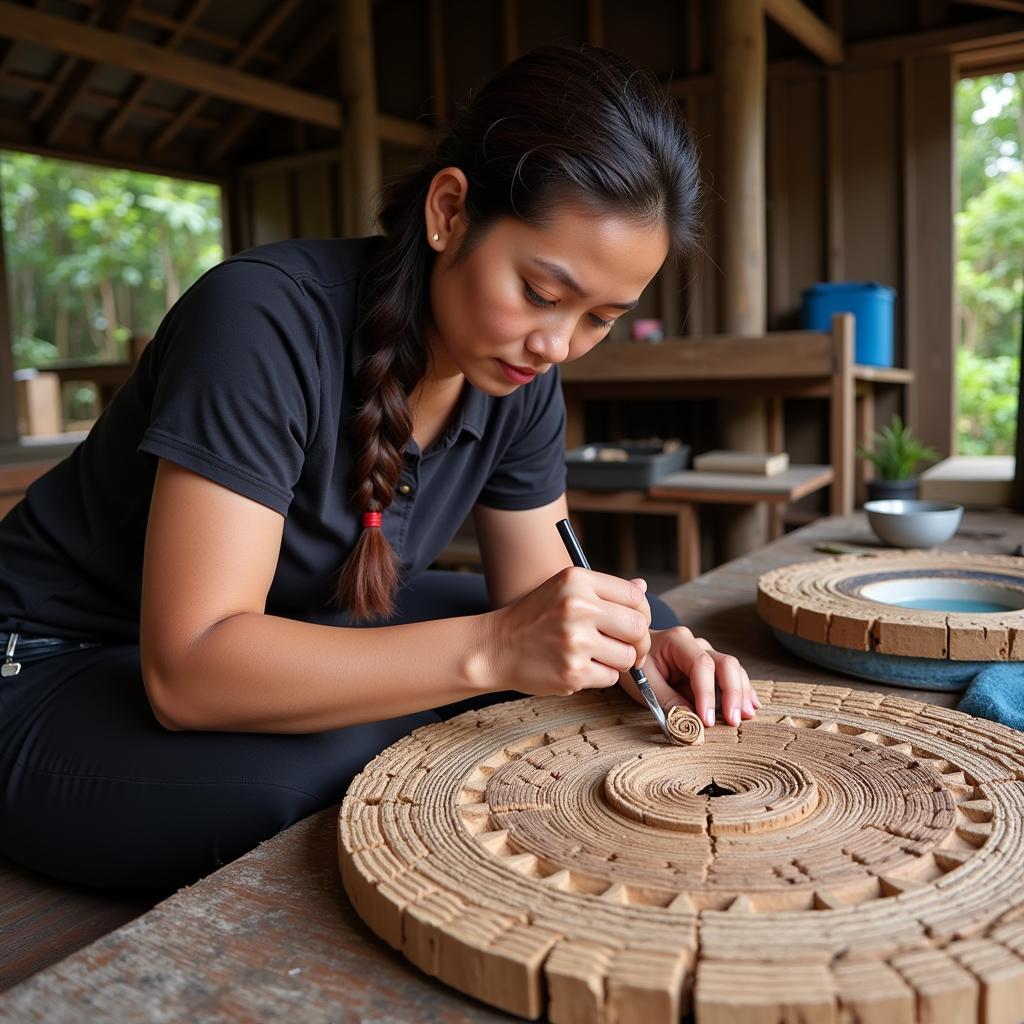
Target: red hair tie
372,519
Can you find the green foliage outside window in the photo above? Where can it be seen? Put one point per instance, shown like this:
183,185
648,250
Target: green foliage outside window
990,260
95,255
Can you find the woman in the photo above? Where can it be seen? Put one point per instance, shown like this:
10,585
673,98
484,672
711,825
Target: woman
191,680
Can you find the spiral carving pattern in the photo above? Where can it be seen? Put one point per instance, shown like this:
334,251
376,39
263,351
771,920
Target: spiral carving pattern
685,726
846,855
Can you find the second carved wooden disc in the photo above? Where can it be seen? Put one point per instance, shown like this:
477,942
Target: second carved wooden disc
842,602
845,856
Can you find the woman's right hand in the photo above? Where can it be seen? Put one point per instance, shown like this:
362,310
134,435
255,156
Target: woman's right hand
576,631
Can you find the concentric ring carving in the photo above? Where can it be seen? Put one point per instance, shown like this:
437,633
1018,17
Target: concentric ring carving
825,601
846,851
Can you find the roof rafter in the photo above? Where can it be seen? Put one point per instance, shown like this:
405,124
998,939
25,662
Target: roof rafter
804,25
324,32
217,40
1000,5
105,47
52,122
282,11
132,103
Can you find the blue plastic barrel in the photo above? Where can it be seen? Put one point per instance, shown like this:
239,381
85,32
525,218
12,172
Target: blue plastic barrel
871,303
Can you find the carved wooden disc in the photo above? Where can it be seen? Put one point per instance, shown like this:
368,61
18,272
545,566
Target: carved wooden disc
845,856
835,601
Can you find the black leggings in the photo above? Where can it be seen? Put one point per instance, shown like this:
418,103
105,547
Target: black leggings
95,791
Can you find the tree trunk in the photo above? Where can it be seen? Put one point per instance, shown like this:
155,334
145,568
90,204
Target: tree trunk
110,316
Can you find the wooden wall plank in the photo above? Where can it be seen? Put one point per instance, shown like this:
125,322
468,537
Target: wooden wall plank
929,191
314,200
871,186
703,276
797,142
270,209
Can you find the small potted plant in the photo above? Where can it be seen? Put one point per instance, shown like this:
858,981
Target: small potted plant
895,456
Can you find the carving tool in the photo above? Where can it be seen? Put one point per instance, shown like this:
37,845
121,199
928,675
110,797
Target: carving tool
572,545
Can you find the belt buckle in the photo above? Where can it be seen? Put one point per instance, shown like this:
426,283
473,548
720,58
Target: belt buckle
10,667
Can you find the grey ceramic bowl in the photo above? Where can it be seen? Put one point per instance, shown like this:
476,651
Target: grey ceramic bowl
913,524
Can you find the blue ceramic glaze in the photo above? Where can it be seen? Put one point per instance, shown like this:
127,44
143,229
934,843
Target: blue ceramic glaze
939,604
916,673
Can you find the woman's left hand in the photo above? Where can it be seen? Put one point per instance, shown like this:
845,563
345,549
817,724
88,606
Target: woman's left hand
680,659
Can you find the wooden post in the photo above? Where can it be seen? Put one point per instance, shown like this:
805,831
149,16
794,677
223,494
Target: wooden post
509,30
595,22
8,416
864,428
841,430
437,70
359,99
740,65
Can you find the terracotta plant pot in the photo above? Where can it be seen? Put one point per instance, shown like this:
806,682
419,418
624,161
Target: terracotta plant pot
879,490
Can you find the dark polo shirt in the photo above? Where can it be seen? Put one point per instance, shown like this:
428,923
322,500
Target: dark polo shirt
250,382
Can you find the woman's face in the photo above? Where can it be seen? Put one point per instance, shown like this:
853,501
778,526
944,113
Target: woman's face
526,298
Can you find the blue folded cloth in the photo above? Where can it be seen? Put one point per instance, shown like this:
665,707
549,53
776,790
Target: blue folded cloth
997,693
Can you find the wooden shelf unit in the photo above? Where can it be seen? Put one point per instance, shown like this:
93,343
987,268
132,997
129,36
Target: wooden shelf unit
778,365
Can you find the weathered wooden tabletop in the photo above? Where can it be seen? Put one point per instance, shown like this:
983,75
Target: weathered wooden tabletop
271,937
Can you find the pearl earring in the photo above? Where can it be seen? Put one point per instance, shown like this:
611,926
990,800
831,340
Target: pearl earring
436,237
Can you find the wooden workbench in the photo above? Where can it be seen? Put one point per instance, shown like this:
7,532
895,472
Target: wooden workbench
272,937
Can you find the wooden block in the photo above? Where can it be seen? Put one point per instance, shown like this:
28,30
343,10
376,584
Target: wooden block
909,637
494,958
945,991
1001,975
871,992
977,641
575,974
646,984
758,993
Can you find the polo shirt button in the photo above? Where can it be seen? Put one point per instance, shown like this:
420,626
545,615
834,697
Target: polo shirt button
404,489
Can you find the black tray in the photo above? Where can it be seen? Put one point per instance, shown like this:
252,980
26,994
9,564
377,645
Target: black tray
643,465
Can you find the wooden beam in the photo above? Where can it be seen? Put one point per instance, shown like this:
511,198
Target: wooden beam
7,45
276,165
78,145
131,104
22,81
281,11
310,48
105,101
955,39
1017,6
218,40
805,26
133,55
404,133
992,60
